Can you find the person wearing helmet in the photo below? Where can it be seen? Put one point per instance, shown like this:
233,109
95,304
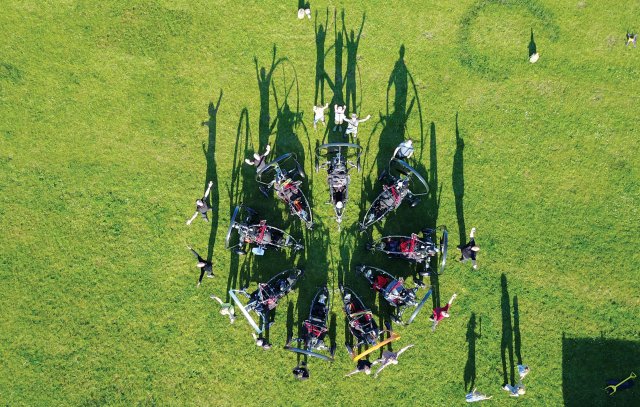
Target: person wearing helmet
201,206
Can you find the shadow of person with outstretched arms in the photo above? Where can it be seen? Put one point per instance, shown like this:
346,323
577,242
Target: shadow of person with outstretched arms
458,183
353,42
265,79
212,175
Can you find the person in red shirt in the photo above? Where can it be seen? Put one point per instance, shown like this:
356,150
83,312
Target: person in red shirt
441,313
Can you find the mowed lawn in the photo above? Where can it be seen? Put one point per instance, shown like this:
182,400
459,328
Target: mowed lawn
114,115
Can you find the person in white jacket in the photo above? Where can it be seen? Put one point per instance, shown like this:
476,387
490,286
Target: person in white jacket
352,128
339,116
318,114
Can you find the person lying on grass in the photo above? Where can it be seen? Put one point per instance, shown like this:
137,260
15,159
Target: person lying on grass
469,251
201,206
338,117
362,366
441,313
388,358
318,114
226,308
354,122
203,265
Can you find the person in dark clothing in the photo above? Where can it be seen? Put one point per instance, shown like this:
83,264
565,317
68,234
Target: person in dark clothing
202,207
203,265
470,250
301,372
259,160
363,366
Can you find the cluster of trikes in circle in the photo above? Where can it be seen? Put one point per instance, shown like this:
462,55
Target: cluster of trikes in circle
427,248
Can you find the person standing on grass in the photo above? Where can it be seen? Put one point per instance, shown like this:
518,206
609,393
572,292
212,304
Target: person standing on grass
226,308
470,250
318,114
353,125
441,313
631,39
201,206
404,150
205,266
362,366
388,358
338,116
259,159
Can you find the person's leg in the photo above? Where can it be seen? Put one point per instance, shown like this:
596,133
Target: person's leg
475,265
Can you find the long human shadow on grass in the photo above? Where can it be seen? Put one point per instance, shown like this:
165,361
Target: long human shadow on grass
506,345
532,45
321,35
517,338
236,195
212,175
432,204
265,79
353,42
457,180
336,84
470,367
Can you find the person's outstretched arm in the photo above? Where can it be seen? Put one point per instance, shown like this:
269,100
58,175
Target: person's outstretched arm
213,297
403,349
195,253
472,235
395,151
248,161
325,107
267,150
380,370
206,193
352,373
192,218
365,119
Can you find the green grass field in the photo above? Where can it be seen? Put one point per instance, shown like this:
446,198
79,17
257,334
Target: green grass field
114,115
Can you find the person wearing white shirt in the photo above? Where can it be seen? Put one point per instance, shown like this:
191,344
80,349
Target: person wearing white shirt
352,128
404,150
339,116
318,114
